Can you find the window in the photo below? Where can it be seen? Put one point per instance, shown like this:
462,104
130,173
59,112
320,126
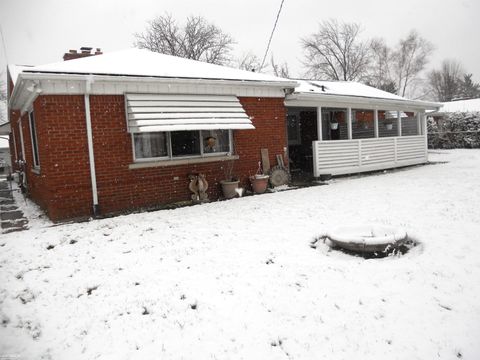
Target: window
33,134
178,144
150,145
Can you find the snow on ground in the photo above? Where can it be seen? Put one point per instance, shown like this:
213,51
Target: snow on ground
238,279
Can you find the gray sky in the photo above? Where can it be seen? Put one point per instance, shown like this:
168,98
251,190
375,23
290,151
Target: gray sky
40,31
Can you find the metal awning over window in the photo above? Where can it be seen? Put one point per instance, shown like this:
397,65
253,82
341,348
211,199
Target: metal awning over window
168,112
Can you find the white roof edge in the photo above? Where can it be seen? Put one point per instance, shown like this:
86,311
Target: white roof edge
315,97
134,78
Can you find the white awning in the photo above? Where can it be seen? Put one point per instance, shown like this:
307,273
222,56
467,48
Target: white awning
167,112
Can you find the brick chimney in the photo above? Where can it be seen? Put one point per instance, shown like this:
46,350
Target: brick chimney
84,52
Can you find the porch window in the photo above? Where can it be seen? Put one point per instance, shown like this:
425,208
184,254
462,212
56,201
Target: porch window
33,135
362,124
409,125
181,144
387,123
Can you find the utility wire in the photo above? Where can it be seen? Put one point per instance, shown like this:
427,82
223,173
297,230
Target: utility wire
271,35
4,45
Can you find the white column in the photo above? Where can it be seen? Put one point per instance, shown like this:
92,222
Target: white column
399,123
375,122
319,124
349,123
419,123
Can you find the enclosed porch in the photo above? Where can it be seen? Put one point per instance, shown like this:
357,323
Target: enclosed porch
344,134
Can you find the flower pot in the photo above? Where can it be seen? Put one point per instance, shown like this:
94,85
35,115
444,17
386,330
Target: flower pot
229,188
389,126
334,126
259,183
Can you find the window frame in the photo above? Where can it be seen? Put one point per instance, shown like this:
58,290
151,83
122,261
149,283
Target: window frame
170,157
34,140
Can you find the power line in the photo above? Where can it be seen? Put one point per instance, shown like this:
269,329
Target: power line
4,45
271,35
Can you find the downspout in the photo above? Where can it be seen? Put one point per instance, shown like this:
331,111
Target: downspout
91,157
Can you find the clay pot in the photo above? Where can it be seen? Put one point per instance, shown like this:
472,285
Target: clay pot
259,183
229,188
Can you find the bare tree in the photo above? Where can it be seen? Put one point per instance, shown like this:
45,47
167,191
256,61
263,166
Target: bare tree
280,70
336,52
446,81
409,59
197,39
3,99
380,73
249,61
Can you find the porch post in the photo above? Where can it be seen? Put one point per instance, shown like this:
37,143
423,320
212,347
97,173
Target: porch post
319,124
349,123
375,122
399,123
419,123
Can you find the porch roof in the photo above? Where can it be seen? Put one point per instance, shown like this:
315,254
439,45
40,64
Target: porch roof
353,94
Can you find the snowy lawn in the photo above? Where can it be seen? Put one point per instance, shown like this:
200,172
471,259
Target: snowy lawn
238,279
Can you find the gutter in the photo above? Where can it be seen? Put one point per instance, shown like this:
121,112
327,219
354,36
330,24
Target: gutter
91,156
152,79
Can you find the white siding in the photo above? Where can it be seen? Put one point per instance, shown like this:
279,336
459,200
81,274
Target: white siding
353,156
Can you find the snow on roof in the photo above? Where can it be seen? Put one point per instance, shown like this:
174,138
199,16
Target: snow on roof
345,88
142,62
14,70
471,105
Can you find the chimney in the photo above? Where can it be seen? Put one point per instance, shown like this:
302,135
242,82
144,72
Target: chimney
84,52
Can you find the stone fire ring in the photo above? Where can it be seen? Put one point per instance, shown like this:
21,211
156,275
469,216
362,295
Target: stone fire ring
367,238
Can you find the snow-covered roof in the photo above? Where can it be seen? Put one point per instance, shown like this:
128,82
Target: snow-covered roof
472,105
142,62
14,70
346,88
352,93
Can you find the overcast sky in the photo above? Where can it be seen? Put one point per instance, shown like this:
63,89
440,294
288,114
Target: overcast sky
40,31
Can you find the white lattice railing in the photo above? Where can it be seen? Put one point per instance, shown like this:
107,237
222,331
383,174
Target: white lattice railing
338,157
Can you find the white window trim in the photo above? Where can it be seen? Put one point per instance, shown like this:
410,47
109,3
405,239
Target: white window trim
171,158
36,164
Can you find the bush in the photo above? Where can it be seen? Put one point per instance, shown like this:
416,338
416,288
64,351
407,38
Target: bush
458,130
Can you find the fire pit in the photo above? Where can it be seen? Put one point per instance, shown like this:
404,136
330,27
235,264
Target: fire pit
368,238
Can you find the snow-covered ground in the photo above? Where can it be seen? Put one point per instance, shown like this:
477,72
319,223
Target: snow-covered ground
238,279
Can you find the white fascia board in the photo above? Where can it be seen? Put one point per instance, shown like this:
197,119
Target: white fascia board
120,78
71,84
363,102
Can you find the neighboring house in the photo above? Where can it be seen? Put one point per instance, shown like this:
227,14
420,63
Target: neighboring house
119,131
459,106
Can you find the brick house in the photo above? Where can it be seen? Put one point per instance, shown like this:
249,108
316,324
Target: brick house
120,131
106,133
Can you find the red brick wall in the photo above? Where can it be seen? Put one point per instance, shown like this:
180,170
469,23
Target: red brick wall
63,187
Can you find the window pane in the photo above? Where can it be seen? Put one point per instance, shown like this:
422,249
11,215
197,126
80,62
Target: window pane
215,141
150,145
409,124
362,124
33,130
185,143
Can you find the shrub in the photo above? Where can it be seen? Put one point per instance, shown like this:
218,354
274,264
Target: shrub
458,130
